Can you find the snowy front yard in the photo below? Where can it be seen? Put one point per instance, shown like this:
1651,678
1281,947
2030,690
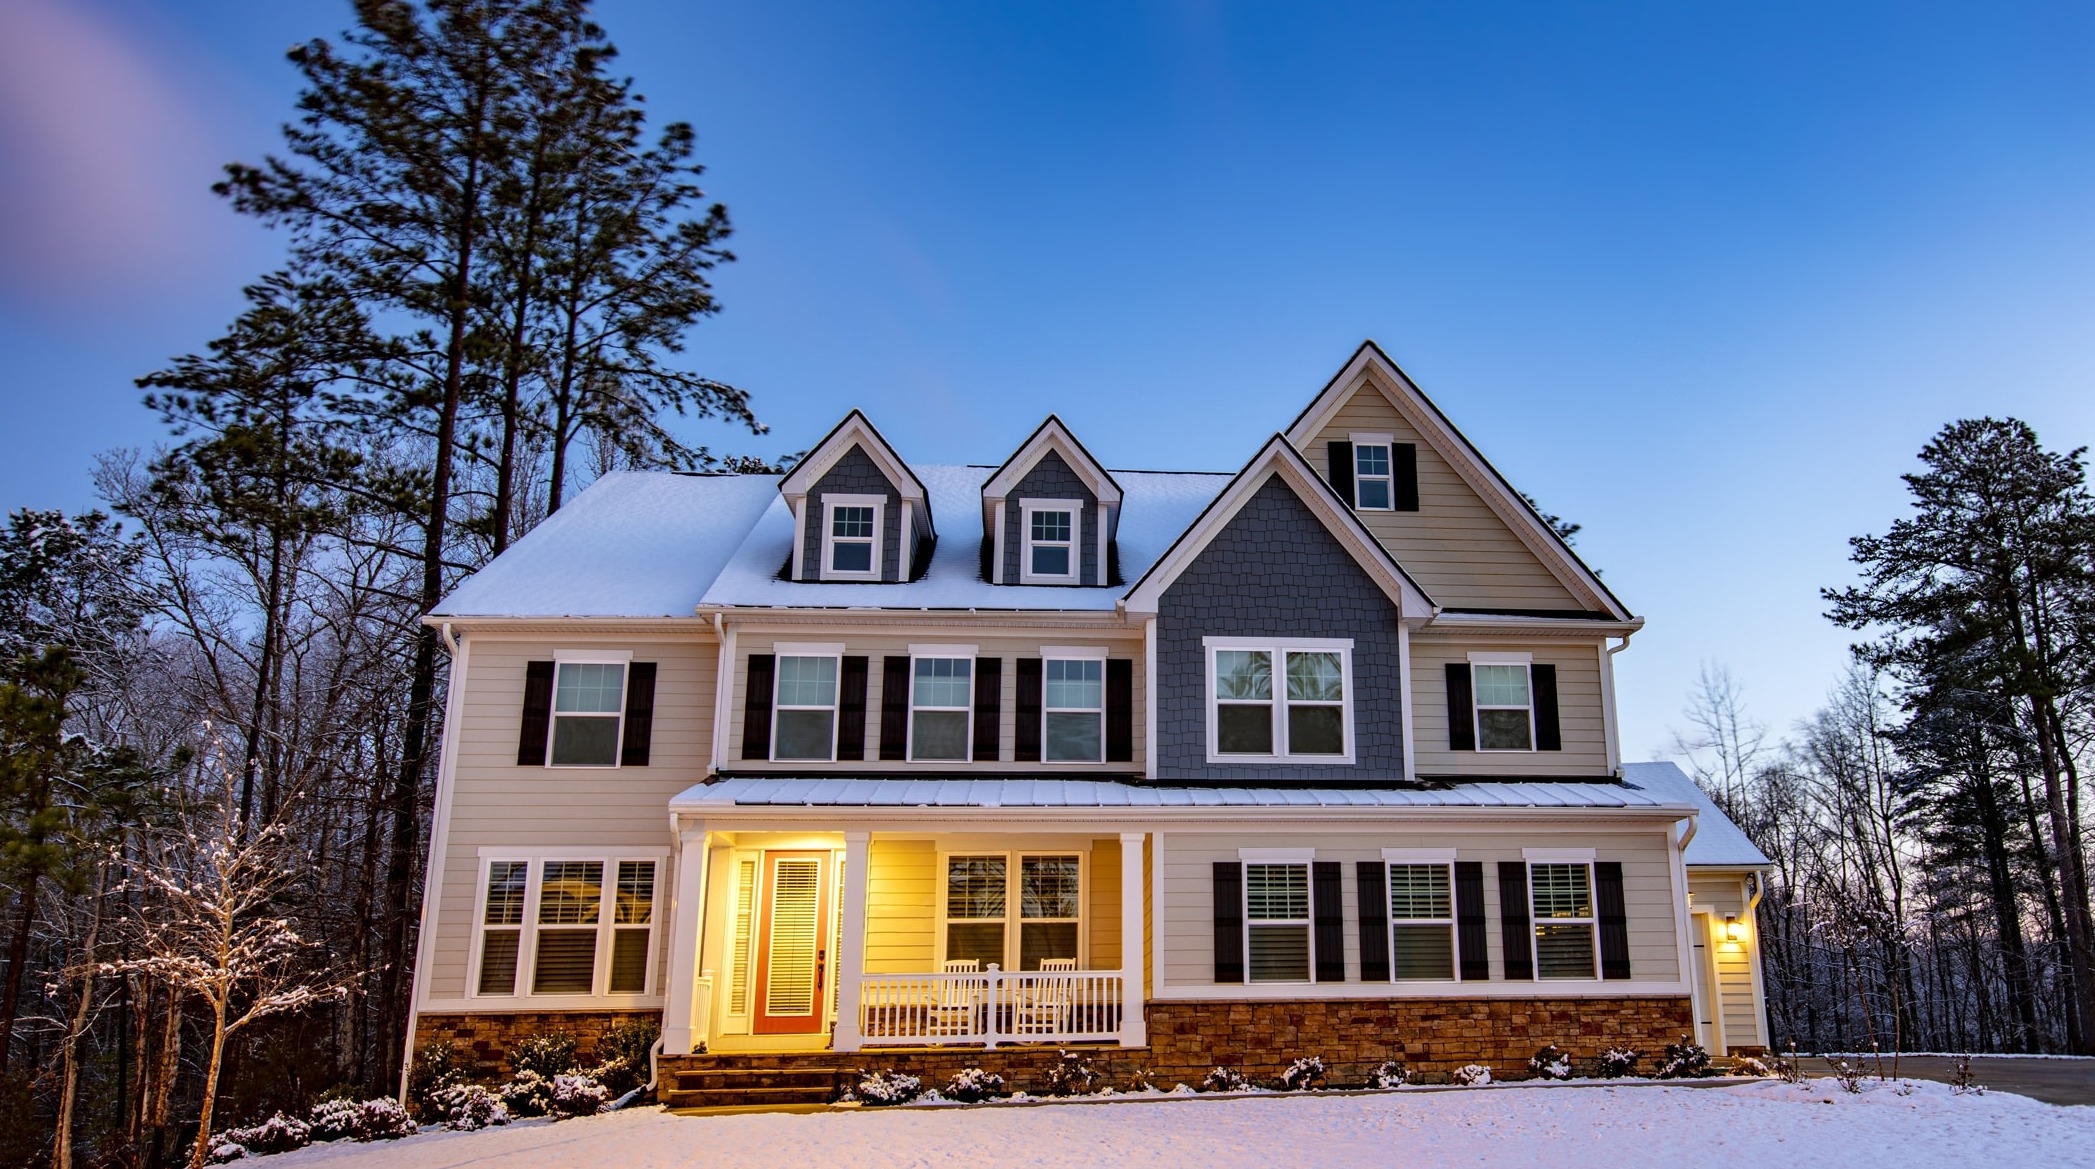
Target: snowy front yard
1763,1123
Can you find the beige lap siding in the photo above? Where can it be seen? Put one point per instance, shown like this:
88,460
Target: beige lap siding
902,893
1580,715
497,804
1189,899
1739,1010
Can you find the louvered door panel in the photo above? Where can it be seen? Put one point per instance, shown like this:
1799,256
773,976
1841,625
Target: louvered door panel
794,951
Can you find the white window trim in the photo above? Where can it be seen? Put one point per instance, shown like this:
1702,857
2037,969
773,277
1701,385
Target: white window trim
1591,921
1075,543
1053,653
1477,708
879,505
1299,858
527,931
1013,859
939,653
623,659
835,708
1387,443
1276,856
1418,856
1500,657
1280,648
1557,856
1446,863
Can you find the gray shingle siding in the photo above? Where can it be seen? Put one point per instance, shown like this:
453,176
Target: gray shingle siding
855,474
1051,478
1276,571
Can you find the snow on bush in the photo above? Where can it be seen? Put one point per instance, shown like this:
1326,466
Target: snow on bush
380,1119
1474,1075
1617,1062
973,1085
1224,1080
1072,1075
548,1055
1962,1081
1550,1063
1849,1075
1684,1061
888,1087
1392,1074
434,1070
575,1095
469,1108
529,1094
622,1055
1746,1065
1303,1074
278,1134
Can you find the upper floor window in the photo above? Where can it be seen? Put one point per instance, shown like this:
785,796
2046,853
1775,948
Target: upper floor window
1373,485
1074,709
567,926
804,723
941,698
588,713
1303,716
1051,528
1505,706
1564,920
851,531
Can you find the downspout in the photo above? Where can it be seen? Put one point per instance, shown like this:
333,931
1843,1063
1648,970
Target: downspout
1607,702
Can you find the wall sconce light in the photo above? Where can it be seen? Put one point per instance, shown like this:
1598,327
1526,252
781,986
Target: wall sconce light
1733,931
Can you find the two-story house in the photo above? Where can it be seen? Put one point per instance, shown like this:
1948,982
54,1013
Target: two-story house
888,764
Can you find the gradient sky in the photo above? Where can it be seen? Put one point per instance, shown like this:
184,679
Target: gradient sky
1701,277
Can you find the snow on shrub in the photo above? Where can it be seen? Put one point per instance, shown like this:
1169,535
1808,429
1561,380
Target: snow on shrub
1224,1080
1303,1074
469,1108
1684,1061
973,1085
575,1095
529,1094
223,1152
380,1119
435,1068
888,1087
1849,1075
1392,1074
1072,1075
1746,1065
622,1055
1963,1081
1474,1075
278,1134
1550,1063
1617,1062
547,1055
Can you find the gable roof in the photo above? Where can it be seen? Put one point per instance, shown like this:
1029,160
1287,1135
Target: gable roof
856,430
1370,365
1053,435
1279,457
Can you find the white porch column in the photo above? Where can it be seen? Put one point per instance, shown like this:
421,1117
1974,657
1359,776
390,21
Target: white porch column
681,1030
1134,1030
851,941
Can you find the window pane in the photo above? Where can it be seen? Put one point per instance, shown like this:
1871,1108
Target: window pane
628,961
1244,730
1074,684
1501,685
981,941
566,962
505,892
1042,939
1503,730
1418,891
1050,525
803,734
939,734
1047,887
944,681
589,688
1051,560
635,901
1276,892
807,681
1279,953
1422,951
975,886
1316,730
1561,891
572,893
1074,738
584,741
849,556
498,962
1371,460
1313,677
1243,673
851,522
1564,951
1371,493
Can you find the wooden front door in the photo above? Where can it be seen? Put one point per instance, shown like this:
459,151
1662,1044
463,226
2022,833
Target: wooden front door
793,946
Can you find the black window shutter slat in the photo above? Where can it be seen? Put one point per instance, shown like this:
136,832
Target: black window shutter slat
1120,710
1403,475
851,709
1614,919
640,715
1462,719
1373,877
1471,942
894,707
1229,919
538,715
1327,907
989,709
756,706
1549,736
1342,470
1025,735
1513,920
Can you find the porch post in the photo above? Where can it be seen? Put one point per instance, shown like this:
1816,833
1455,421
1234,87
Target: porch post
681,1032
851,941
1134,1030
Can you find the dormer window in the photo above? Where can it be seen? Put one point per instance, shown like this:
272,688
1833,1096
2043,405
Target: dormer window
851,528
1374,480
1051,530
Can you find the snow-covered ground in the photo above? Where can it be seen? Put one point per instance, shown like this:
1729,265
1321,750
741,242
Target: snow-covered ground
1664,1127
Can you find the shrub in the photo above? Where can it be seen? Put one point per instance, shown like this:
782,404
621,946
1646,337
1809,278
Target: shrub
1746,1065
1473,1075
469,1108
435,1068
224,1151
529,1094
1684,1061
622,1055
576,1095
1849,1075
379,1119
1962,1079
1072,1075
548,1055
1224,1080
1303,1074
973,1085
889,1087
278,1134
1392,1074
1550,1063
1616,1062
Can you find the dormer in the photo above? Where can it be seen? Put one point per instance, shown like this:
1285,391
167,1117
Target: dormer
1049,513
860,515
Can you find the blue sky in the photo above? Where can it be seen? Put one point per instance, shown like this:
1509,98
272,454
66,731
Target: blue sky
1701,277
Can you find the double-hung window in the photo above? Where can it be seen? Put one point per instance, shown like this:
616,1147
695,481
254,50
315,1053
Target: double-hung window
588,713
1373,485
1276,921
989,919
1421,921
1565,925
804,720
1051,528
566,926
1505,706
1074,708
1304,715
941,697
851,530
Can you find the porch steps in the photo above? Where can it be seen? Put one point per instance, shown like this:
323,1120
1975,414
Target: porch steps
767,1081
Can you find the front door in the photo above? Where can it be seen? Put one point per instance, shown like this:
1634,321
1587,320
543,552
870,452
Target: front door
793,947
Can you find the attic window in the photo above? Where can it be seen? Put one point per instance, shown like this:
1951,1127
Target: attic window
851,528
1374,481
1051,530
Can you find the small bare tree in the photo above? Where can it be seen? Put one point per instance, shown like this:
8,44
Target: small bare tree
1725,743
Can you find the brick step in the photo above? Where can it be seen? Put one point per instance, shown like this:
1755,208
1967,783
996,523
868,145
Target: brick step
713,1079
736,1097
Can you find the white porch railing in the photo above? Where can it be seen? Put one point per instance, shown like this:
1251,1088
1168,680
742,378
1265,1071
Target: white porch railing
992,1007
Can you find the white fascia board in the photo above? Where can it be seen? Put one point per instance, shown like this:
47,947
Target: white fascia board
856,430
1053,435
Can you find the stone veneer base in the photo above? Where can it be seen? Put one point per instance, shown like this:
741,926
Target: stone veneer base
484,1040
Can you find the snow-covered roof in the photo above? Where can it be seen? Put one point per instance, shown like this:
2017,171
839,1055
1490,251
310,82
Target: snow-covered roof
1717,841
769,791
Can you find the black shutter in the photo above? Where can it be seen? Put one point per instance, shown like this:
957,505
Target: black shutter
1470,939
640,714
1614,919
1462,719
756,706
894,708
538,715
1327,909
1025,736
1548,735
1229,919
851,709
1403,477
1513,919
1342,470
1374,920
989,709
1120,710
